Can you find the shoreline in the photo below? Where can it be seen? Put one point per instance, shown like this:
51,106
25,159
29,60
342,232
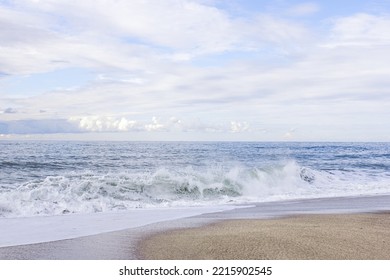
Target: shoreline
127,243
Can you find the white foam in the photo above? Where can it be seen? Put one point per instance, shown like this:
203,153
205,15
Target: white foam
92,192
29,230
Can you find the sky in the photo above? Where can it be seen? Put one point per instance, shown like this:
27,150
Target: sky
195,70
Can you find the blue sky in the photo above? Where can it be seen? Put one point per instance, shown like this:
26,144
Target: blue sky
195,70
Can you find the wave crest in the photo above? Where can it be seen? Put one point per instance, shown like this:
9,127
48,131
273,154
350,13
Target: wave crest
91,192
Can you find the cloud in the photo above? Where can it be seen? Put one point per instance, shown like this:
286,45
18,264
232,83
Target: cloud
304,9
236,127
194,60
123,124
155,125
362,30
289,134
9,111
127,35
103,124
37,127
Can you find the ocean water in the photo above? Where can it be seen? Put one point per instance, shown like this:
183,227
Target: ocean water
58,178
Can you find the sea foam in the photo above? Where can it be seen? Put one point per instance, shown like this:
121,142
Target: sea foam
90,192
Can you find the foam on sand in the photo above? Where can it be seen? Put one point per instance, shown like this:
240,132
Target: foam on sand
29,230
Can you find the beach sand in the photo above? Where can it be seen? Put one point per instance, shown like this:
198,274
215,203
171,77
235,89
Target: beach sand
301,237
295,229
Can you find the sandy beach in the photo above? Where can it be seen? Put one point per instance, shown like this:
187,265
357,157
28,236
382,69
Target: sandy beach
337,236
328,228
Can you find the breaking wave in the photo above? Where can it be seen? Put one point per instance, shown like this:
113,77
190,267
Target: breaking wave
91,192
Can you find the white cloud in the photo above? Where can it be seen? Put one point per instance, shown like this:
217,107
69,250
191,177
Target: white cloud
236,127
123,124
304,9
103,123
155,125
268,31
360,30
127,35
289,134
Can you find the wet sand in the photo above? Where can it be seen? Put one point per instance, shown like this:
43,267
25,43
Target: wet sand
304,237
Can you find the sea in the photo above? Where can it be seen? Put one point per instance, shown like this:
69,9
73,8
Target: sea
54,178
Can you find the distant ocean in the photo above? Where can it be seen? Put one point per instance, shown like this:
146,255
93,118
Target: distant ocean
57,178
